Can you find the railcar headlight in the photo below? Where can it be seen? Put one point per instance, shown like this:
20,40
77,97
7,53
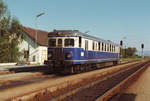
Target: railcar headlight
50,55
82,53
69,55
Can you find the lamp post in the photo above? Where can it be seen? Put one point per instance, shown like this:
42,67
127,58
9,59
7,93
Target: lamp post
87,32
36,19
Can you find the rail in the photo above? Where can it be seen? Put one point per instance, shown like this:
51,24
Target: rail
71,86
106,87
122,85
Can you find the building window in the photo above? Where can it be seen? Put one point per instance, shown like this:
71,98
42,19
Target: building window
26,54
34,58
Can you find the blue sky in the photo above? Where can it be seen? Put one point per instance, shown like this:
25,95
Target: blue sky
107,19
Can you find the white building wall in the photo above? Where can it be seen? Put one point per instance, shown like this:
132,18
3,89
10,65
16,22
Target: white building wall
36,52
41,54
23,46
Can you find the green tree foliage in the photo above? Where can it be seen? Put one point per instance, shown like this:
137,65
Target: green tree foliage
10,36
16,36
129,52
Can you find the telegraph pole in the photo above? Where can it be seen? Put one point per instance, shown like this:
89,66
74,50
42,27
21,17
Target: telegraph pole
125,51
142,46
121,53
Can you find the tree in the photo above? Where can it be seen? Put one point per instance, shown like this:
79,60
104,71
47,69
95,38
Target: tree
16,36
129,52
10,36
4,35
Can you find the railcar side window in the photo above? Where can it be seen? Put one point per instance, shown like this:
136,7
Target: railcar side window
114,48
52,42
99,45
86,45
110,48
96,46
105,47
80,40
102,46
93,45
59,42
69,42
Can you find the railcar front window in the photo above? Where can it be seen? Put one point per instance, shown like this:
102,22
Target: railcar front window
69,42
60,42
52,42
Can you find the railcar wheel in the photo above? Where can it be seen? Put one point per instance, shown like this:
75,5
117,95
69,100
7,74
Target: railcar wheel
115,62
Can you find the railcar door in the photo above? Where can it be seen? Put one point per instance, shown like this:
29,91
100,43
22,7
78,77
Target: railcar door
59,50
86,49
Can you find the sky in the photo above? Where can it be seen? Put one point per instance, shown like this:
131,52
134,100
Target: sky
127,20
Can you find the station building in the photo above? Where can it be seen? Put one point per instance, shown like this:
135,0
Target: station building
34,45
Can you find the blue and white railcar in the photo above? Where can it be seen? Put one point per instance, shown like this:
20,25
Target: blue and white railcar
75,51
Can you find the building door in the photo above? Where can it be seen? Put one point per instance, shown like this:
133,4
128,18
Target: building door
44,55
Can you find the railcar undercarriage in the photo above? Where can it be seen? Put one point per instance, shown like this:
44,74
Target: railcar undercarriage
79,68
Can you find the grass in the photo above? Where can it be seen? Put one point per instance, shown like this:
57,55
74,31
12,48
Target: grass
132,59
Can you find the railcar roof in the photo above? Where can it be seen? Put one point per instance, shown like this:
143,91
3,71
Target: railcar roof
77,33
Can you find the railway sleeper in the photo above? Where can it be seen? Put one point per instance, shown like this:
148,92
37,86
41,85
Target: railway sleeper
83,90
69,86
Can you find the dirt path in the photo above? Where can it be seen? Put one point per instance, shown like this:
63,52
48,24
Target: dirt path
140,90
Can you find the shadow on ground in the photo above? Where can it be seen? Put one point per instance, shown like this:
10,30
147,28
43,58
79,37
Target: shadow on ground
127,97
30,69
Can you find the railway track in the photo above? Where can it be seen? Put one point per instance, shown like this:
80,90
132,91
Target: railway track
58,88
104,89
41,68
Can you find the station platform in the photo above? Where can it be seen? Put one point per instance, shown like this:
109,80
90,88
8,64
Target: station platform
139,90
6,68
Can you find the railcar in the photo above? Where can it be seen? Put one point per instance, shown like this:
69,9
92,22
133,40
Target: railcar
71,51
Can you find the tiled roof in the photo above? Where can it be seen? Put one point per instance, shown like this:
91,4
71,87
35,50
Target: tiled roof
42,36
